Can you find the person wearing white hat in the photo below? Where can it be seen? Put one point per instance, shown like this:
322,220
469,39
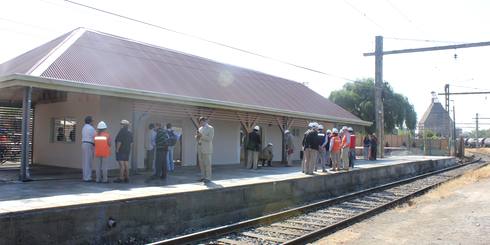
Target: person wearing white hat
326,146
321,150
102,142
124,140
345,146
289,147
302,155
352,147
335,143
266,155
311,145
254,143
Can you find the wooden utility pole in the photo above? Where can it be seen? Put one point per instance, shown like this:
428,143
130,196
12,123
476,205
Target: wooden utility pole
454,131
378,93
476,134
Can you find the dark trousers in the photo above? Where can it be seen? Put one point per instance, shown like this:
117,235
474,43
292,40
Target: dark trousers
374,151
150,156
161,163
352,157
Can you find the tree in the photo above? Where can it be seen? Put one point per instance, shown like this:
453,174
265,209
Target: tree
358,98
482,133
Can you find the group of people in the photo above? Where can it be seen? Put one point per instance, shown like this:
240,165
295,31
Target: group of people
332,148
253,146
159,144
370,147
97,144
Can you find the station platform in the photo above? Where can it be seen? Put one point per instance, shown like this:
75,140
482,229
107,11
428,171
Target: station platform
66,210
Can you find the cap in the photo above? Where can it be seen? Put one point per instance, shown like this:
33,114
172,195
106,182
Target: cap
329,131
320,126
344,128
257,128
350,129
270,144
287,131
202,119
124,122
310,125
101,125
335,131
314,125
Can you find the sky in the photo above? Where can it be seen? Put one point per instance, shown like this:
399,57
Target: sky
327,36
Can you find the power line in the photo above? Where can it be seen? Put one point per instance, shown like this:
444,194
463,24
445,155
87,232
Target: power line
469,87
206,40
363,14
393,6
423,40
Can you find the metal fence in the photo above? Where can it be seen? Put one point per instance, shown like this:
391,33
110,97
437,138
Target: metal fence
11,133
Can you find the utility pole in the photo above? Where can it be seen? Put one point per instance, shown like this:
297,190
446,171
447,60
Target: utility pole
446,95
476,134
454,130
378,93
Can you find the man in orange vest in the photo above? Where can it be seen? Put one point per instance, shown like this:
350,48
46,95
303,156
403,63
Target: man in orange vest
102,141
335,149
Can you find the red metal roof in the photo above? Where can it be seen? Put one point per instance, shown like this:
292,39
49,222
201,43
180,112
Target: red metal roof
102,59
23,63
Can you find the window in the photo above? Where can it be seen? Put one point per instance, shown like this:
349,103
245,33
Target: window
64,130
295,132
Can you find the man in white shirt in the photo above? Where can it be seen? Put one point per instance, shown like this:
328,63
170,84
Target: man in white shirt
88,135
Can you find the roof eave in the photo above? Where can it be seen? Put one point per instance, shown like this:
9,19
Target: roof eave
74,86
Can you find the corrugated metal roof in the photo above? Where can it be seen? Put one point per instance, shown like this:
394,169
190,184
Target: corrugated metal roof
102,59
24,62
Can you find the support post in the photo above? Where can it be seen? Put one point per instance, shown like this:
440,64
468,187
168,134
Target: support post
378,92
26,119
134,146
476,135
454,132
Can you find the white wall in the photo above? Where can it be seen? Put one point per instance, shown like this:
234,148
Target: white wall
226,139
113,110
54,153
226,143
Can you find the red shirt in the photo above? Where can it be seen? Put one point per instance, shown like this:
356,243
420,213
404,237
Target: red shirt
353,141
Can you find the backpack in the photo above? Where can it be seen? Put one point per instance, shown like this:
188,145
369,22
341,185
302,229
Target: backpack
162,139
172,138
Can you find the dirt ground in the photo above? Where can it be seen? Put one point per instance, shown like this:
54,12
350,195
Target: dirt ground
457,212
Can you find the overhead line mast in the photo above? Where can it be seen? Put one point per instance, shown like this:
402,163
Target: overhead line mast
378,77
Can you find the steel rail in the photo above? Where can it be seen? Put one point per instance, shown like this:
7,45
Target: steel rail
271,218
314,235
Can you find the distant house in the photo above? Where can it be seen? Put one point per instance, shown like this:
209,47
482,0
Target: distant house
436,119
86,72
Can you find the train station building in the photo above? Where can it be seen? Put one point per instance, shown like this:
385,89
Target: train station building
86,72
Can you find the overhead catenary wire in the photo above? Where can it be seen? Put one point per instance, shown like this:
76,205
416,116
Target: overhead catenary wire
208,40
423,40
363,14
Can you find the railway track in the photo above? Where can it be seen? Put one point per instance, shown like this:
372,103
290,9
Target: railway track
307,223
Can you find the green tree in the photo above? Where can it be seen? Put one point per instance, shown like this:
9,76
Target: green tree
485,133
358,98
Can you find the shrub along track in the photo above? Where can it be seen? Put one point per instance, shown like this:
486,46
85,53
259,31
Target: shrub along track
312,221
